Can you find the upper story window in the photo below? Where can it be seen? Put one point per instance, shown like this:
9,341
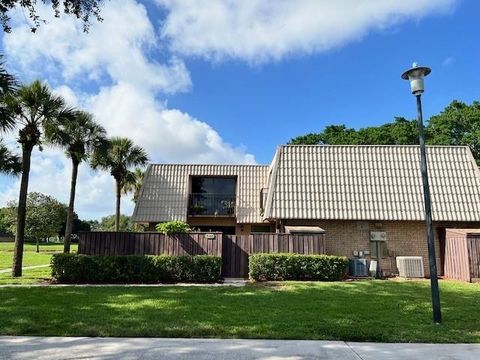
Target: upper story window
212,195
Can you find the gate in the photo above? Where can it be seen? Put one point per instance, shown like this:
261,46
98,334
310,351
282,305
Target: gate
235,249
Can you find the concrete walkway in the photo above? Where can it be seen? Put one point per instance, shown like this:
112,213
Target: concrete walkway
4,271
40,348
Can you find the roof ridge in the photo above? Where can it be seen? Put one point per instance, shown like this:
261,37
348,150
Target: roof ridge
370,145
199,164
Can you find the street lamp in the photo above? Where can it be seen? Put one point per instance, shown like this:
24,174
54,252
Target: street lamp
416,75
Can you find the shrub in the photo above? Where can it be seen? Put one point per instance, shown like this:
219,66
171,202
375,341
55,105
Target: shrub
74,268
264,267
171,227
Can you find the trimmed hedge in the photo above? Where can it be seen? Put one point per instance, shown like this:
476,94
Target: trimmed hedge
74,268
263,267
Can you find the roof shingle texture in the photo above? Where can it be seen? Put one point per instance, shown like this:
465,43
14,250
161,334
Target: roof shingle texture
372,183
164,194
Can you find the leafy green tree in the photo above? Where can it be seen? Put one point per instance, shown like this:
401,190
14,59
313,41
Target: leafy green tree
77,226
108,223
457,124
5,226
44,217
134,184
399,132
31,108
80,136
119,157
81,9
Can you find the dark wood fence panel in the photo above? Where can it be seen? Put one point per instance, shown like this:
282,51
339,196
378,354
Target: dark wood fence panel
125,243
287,243
235,256
473,244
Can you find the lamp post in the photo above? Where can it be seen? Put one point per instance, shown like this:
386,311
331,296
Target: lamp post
416,75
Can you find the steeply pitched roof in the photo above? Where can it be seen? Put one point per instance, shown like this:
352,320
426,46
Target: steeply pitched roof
372,183
164,194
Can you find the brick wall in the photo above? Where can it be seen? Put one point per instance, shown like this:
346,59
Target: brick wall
404,238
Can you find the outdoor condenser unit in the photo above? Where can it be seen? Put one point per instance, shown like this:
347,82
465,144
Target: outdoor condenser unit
359,267
410,266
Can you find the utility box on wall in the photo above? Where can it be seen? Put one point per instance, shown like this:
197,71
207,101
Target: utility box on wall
378,236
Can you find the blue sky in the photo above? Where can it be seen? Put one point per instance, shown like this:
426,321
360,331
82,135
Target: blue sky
227,82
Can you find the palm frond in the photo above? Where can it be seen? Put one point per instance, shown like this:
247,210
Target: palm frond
10,163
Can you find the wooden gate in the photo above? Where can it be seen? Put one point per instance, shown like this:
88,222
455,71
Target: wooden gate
462,254
235,249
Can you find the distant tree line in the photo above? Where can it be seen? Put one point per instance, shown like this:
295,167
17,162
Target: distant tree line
457,124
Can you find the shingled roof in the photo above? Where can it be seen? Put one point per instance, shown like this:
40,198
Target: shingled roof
164,194
372,183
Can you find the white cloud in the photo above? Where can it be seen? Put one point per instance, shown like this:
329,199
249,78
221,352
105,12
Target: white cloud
119,47
258,30
111,72
169,135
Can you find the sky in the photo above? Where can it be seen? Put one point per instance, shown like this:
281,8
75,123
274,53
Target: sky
227,81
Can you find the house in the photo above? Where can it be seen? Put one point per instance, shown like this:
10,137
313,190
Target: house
348,191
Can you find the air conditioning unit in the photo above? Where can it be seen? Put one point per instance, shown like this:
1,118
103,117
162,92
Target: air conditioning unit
410,266
359,267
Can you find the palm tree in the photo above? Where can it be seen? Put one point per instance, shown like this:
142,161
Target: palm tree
80,136
31,108
134,184
9,163
118,157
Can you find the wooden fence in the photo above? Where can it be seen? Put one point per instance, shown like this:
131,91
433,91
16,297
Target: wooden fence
149,243
234,249
462,256
237,248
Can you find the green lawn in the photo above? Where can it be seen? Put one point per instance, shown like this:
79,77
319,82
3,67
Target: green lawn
389,311
30,256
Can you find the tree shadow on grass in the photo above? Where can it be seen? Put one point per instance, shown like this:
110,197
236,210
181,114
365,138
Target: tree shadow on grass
360,311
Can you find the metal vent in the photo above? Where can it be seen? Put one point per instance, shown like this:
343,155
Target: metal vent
410,266
359,267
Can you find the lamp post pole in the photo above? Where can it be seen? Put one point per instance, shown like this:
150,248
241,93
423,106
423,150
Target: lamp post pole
415,75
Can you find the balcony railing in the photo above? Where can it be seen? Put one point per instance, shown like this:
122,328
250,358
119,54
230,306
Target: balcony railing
211,204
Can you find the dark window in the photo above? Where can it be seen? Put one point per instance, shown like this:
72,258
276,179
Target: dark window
213,185
212,196
260,229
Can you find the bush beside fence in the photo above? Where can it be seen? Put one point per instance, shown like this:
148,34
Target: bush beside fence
264,267
75,268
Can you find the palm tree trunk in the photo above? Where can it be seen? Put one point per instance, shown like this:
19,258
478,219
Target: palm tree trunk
117,209
22,211
71,205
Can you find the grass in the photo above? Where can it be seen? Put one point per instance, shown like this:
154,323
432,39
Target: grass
387,311
30,276
30,256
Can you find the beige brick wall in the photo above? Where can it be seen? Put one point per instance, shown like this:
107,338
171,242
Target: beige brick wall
404,238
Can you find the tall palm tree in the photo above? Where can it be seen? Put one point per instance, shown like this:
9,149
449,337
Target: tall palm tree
80,136
134,184
118,157
30,108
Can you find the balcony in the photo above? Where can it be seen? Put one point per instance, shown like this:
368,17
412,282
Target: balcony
204,204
